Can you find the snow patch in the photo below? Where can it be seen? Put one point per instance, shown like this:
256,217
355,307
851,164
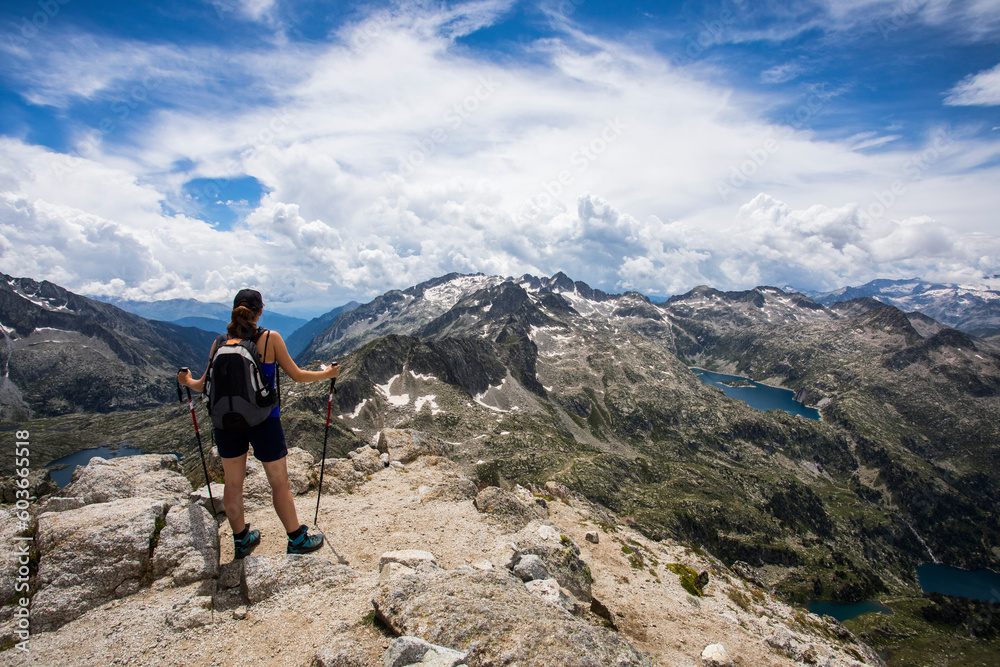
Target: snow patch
386,389
429,399
357,410
480,398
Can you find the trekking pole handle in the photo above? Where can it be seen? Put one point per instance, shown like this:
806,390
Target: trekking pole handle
180,398
329,403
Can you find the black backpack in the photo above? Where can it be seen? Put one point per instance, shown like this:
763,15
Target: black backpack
239,395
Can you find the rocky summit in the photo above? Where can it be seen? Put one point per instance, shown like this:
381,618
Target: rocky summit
471,576
549,385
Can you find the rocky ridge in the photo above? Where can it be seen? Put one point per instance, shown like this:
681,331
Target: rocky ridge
970,309
64,353
439,572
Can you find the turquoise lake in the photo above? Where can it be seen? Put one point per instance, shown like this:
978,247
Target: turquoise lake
843,611
82,457
973,584
759,396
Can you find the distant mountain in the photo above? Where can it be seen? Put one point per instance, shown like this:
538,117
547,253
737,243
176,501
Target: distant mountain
65,352
204,323
975,311
302,336
550,379
393,312
207,316
170,310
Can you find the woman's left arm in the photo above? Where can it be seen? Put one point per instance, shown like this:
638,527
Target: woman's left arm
287,364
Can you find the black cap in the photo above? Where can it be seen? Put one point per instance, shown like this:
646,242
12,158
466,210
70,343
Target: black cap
250,298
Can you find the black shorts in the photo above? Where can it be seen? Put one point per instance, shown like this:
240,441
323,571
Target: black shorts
267,438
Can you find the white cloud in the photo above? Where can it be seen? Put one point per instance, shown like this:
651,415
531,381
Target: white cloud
982,89
782,73
392,156
257,9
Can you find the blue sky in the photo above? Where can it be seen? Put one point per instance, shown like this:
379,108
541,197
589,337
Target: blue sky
331,151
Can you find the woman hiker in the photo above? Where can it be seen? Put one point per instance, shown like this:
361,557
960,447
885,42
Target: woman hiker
267,438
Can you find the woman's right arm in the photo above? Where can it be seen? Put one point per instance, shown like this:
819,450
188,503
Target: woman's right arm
185,378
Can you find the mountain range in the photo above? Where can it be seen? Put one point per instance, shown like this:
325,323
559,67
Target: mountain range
537,379
969,309
910,418
208,316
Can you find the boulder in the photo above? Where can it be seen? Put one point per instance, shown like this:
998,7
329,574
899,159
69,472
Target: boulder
256,488
299,463
454,488
201,497
58,504
91,555
14,556
405,445
795,646
266,576
391,570
231,574
530,568
188,547
491,615
593,537
560,554
504,507
748,573
145,476
715,655
407,651
366,460
550,591
213,462
339,476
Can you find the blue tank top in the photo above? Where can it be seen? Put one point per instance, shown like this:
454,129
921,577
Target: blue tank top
269,370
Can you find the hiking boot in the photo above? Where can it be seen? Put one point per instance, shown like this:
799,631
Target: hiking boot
244,547
304,543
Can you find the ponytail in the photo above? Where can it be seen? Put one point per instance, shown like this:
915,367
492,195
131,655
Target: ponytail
242,324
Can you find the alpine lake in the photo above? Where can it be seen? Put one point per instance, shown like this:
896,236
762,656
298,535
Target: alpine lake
61,470
932,577
758,396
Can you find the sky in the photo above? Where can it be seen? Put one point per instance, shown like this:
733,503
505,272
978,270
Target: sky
328,152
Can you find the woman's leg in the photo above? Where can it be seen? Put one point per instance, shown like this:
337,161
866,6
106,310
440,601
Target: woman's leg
232,497
281,494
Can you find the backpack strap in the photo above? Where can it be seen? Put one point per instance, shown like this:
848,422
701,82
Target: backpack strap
256,339
277,370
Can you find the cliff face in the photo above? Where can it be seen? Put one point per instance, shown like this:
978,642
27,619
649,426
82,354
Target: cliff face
496,576
68,353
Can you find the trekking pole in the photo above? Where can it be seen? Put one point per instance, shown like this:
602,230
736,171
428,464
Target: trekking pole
204,466
326,435
322,466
